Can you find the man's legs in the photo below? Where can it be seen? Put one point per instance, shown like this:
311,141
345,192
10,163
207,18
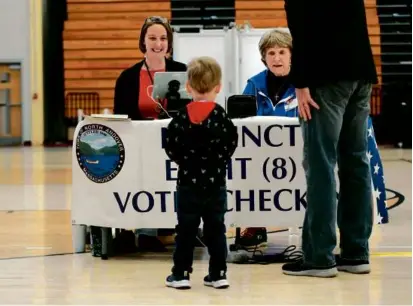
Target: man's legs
321,135
355,210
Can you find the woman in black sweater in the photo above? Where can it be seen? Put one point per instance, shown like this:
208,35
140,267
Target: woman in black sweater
132,96
133,91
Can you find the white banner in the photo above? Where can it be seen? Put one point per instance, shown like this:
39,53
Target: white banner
122,177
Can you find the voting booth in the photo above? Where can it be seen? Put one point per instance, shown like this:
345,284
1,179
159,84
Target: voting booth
235,50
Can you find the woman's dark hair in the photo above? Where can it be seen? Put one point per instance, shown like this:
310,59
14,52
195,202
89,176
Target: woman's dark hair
150,21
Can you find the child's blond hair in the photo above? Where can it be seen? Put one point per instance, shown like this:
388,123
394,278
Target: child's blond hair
204,74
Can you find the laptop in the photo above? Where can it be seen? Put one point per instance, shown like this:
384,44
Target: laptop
170,83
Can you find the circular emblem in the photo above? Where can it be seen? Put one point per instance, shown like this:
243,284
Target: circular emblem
100,152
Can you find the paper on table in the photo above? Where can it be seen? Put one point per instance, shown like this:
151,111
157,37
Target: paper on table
110,117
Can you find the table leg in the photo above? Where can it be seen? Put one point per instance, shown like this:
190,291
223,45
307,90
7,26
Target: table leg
237,234
79,238
105,242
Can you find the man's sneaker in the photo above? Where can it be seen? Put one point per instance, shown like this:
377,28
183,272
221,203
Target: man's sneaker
218,282
178,281
253,238
298,268
355,266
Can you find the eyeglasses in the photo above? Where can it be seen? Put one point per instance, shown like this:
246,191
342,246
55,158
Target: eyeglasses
156,19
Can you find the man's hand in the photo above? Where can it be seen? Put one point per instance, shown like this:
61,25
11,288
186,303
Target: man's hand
304,101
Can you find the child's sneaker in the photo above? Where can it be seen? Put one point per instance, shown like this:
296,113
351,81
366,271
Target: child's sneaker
178,281
218,282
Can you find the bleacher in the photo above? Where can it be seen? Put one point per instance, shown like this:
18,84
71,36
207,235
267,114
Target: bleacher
206,14
395,19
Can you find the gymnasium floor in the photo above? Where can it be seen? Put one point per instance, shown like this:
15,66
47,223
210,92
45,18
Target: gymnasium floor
35,197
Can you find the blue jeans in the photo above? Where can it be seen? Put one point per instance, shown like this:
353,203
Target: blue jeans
337,134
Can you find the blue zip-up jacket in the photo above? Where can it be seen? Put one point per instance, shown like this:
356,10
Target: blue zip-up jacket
288,107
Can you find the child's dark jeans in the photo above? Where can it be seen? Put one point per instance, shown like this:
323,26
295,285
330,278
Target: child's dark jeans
191,206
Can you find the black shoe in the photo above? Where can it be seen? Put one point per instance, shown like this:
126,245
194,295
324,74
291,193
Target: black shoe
218,282
178,281
298,268
356,266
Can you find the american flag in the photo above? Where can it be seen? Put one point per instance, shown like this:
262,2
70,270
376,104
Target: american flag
377,174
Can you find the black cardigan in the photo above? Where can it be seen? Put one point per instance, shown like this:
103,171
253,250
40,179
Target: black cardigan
127,89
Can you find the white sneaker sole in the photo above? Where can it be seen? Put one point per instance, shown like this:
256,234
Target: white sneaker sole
182,284
332,272
358,269
219,284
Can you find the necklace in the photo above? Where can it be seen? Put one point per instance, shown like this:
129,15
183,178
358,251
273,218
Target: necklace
277,95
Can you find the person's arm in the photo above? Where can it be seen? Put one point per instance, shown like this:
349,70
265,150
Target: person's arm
229,136
174,140
303,23
296,19
232,138
119,97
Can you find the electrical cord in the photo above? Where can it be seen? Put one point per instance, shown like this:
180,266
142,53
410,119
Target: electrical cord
156,102
290,254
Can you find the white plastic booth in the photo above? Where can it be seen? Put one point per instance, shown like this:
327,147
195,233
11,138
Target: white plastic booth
235,50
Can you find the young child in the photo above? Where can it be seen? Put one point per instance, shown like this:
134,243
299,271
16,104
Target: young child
201,140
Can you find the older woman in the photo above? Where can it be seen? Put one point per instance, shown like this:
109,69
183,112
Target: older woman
276,97
133,93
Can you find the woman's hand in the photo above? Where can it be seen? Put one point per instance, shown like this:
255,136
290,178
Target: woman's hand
304,101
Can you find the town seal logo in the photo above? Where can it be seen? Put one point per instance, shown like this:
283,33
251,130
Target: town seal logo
100,152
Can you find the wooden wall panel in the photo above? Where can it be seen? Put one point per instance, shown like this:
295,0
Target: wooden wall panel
119,6
101,34
100,44
108,24
115,15
100,63
102,54
91,85
92,74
